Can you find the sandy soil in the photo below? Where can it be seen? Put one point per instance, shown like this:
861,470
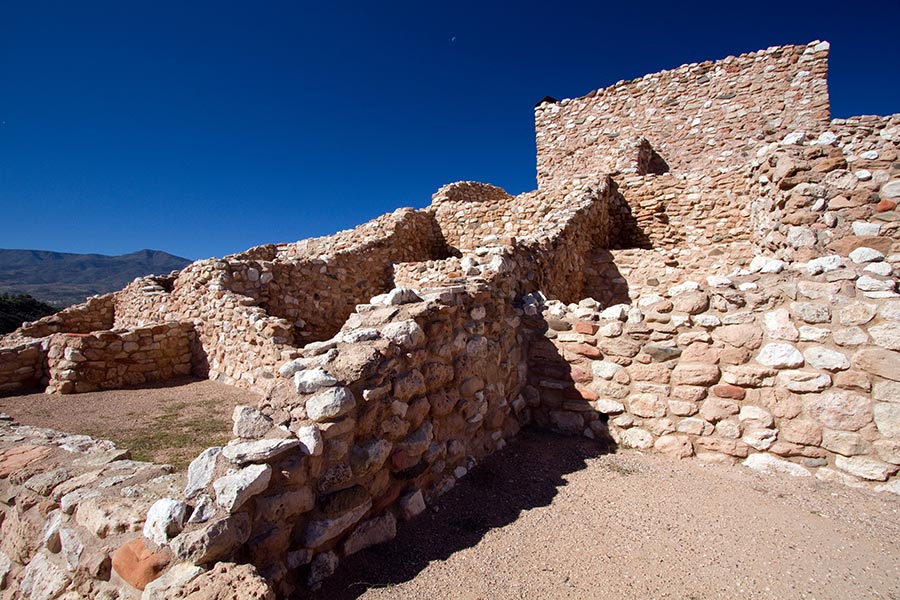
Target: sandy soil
550,517
170,422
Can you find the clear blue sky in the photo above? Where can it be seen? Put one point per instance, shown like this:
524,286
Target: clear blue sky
204,128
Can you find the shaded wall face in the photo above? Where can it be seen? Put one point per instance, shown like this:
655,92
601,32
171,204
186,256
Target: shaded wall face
696,117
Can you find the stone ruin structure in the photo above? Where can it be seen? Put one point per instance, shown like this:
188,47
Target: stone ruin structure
707,268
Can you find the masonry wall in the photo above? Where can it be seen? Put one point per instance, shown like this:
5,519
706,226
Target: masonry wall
23,367
794,371
113,359
95,314
698,117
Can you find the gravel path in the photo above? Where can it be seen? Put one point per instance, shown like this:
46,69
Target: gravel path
170,422
550,517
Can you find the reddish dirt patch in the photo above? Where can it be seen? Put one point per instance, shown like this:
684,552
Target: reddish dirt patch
170,422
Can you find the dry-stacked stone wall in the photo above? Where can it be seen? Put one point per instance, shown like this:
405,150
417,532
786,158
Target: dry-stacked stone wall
87,362
789,368
699,117
23,366
95,314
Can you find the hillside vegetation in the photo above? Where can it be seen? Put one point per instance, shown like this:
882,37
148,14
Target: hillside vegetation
63,279
14,310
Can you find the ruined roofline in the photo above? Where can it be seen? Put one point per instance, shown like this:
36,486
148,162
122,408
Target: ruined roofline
707,65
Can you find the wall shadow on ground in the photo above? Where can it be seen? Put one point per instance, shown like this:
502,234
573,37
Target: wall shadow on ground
527,474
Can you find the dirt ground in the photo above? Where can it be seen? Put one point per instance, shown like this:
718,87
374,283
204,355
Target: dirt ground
169,422
551,517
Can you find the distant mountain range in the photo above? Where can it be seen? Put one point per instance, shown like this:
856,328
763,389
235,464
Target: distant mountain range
63,279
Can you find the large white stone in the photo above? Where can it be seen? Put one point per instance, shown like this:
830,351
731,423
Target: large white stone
891,190
311,440
886,335
250,422
769,464
780,356
313,380
864,255
406,334
232,491
864,467
824,264
779,326
867,283
200,472
865,229
887,418
171,581
826,359
42,579
164,520
258,450
331,403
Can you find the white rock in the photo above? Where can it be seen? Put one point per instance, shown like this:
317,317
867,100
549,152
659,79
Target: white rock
311,440
800,237
755,413
824,264
71,548
313,380
779,326
808,333
888,391
769,464
204,509
616,312
864,255
780,356
773,266
682,288
200,472
258,450
870,284
706,320
863,175
879,268
826,138
637,438
826,359
891,190
164,520
864,467
406,334
411,505
42,579
794,138
604,369
747,286
886,335
869,155
401,295
250,422
232,491
649,300
760,439
718,281
171,581
330,403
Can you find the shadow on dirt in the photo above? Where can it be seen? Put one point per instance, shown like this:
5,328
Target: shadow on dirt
525,475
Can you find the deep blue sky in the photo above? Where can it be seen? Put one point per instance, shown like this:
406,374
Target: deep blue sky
204,128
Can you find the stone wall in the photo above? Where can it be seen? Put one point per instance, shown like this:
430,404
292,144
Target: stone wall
95,314
793,370
104,360
698,117
23,367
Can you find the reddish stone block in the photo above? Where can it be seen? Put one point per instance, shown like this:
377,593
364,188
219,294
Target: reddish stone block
137,565
585,350
586,328
726,390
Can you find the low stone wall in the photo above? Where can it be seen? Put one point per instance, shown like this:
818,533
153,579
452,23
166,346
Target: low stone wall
23,367
794,371
95,314
113,359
